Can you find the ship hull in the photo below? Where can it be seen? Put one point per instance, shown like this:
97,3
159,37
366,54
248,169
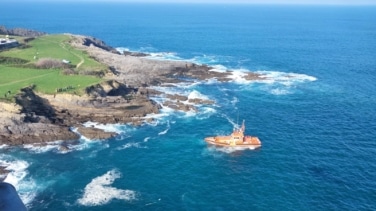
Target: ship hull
255,143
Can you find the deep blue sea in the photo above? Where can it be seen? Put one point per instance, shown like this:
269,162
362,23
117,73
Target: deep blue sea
315,114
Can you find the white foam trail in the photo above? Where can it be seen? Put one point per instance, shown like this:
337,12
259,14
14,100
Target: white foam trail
147,139
235,125
99,191
3,146
130,145
205,113
279,91
165,131
234,101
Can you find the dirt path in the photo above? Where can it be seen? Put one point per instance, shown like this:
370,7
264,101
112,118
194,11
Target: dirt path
63,46
82,60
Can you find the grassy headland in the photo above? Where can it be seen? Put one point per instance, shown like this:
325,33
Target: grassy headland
18,67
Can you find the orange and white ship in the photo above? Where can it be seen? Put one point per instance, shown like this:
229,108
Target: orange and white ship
236,139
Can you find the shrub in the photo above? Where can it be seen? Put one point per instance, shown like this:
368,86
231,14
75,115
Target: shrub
69,72
49,63
11,60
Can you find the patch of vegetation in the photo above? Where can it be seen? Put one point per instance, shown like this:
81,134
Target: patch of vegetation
50,65
12,61
13,79
55,47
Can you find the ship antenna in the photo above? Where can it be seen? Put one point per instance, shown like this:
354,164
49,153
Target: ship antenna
237,121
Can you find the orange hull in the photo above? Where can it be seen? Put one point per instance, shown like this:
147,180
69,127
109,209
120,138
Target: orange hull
253,143
236,139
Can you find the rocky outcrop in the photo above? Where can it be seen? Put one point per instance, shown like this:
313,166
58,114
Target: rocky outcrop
95,133
92,41
19,132
20,32
138,71
137,54
32,120
44,118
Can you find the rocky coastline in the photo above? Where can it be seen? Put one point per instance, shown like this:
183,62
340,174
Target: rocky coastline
124,97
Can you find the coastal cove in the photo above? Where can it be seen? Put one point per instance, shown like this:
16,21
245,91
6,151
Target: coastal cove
156,79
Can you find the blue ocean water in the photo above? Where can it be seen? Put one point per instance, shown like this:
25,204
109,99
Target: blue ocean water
315,115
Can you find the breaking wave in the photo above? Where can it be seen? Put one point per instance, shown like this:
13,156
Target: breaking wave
17,176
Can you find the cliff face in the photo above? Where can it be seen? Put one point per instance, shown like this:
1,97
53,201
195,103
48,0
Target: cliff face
37,118
34,121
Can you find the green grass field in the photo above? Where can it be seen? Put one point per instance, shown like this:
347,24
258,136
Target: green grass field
56,47
45,81
15,77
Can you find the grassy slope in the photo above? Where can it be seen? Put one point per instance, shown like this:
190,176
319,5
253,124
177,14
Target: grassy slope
57,47
47,81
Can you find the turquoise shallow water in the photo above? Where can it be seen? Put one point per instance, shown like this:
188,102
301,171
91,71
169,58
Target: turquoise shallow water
314,115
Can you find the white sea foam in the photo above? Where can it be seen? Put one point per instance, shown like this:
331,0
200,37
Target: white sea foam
234,101
164,112
165,56
3,146
284,77
122,49
234,124
152,53
147,139
100,192
279,91
26,188
130,145
230,150
165,131
197,95
238,76
35,148
106,127
218,151
18,171
205,112
204,59
218,68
